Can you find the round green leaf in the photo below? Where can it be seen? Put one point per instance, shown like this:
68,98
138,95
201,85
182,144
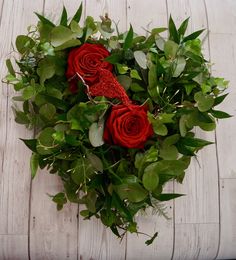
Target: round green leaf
47,111
60,35
150,180
96,134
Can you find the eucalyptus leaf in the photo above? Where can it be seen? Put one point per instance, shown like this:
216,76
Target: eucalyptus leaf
141,59
96,134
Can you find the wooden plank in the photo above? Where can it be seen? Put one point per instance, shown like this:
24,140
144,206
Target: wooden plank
227,248
13,247
222,41
53,234
196,241
200,205
95,241
144,16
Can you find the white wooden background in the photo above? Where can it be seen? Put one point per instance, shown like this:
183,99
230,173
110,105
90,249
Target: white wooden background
203,223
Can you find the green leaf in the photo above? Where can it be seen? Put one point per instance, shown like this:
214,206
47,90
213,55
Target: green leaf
135,87
160,42
204,102
168,196
179,67
24,43
30,143
68,44
47,111
170,49
34,163
173,33
10,67
183,27
114,58
150,241
64,17
141,59
122,69
194,142
21,117
220,99
167,167
45,143
150,180
170,140
60,35
82,169
169,152
220,114
78,13
134,75
193,35
182,125
131,191
28,92
46,69
125,81
90,201
96,162
128,39
60,198
96,134
45,20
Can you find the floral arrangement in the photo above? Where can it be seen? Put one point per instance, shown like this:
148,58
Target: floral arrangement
113,113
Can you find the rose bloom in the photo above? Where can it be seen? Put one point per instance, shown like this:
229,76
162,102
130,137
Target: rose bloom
86,60
128,126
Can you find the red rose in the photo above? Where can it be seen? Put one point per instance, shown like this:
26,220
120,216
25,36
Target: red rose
86,60
128,126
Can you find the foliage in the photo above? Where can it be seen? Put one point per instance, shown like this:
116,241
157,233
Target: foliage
170,75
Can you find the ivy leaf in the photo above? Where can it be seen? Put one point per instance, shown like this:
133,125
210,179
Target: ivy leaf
131,191
34,163
47,111
46,69
128,39
204,102
23,43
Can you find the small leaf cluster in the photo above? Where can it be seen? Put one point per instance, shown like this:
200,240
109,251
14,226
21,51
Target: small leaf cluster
169,75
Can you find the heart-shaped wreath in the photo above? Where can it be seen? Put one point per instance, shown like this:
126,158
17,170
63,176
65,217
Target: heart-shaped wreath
113,112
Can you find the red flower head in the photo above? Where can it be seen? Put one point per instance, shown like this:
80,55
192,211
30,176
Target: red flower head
86,60
128,126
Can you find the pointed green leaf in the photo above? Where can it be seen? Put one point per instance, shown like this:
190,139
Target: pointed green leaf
173,33
64,17
150,180
183,27
193,35
220,114
45,20
78,13
128,39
